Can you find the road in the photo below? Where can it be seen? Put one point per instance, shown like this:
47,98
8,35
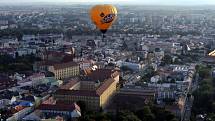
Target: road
189,100
188,108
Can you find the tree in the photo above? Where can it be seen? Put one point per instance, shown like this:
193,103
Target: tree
145,114
96,116
169,116
102,117
16,55
167,59
127,116
204,72
204,95
197,67
4,114
172,81
18,64
174,119
162,115
212,116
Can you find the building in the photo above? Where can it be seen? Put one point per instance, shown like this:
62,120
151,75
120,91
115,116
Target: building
209,60
159,53
3,24
95,89
35,78
6,82
131,65
64,70
68,111
42,65
24,51
20,114
85,64
39,79
132,97
9,42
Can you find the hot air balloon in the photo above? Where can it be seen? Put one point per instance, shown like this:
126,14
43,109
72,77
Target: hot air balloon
103,16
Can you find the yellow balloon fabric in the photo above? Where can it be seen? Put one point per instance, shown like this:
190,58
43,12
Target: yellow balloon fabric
103,16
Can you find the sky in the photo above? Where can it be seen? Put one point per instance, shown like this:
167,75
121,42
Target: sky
146,2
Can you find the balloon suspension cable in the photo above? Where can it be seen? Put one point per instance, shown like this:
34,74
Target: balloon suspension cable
103,37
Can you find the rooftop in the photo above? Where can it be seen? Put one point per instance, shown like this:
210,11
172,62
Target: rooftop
76,92
100,74
59,107
70,84
100,90
64,65
104,86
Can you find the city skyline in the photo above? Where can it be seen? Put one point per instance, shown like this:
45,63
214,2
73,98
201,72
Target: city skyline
145,2
128,61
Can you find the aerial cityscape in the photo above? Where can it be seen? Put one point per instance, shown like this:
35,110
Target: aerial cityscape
107,62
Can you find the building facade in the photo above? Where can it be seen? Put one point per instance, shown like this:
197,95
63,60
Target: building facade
64,70
71,111
96,96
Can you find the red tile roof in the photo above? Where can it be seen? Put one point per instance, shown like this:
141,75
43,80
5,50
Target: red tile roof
104,75
67,58
101,74
55,53
64,65
104,86
70,84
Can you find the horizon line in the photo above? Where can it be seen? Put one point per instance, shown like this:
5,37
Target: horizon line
89,3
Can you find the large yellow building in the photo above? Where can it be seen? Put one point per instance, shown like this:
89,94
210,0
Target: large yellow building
93,89
64,70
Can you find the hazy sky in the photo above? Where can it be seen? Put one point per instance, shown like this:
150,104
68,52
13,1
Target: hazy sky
152,2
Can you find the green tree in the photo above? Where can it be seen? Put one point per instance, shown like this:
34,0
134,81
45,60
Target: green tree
145,114
204,95
167,60
204,72
127,116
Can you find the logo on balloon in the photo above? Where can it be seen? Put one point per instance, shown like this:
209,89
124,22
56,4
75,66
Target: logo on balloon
108,18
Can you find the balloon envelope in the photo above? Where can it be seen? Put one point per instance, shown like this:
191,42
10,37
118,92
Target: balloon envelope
103,16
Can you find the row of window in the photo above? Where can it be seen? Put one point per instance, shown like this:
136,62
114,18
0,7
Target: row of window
65,75
64,71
